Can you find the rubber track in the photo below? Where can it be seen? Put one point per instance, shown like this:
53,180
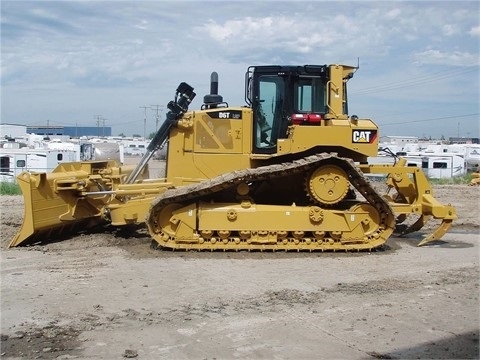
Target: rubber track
191,193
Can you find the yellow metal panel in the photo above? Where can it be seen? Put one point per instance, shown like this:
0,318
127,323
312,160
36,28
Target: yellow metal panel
213,165
217,135
274,218
134,211
184,222
339,134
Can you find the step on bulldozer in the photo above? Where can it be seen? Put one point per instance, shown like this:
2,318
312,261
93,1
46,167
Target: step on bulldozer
287,171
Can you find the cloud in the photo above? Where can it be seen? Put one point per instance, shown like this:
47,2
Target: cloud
139,51
475,31
453,58
142,25
258,37
393,14
450,30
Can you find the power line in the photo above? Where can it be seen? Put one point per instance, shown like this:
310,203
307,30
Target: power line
421,80
432,119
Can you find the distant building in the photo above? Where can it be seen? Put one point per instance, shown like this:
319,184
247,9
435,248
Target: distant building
72,131
398,140
464,140
12,130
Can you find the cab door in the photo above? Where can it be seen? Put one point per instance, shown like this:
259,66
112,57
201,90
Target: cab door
269,112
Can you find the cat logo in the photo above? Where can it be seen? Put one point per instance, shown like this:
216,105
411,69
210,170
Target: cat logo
364,136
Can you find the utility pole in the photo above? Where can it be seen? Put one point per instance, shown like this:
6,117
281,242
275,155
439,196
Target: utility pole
103,128
144,122
98,124
157,117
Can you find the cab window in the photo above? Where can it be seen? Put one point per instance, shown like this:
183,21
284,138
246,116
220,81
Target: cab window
268,113
310,96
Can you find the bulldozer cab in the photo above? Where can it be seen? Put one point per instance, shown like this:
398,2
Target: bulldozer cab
281,96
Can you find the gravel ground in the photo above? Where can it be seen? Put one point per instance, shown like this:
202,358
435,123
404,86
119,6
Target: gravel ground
108,295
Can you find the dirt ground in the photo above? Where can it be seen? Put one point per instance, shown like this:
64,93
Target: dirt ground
108,295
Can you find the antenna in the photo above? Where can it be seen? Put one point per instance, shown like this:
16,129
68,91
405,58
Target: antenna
357,67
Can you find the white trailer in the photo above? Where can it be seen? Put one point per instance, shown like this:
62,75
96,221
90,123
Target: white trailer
438,165
434,165
14,161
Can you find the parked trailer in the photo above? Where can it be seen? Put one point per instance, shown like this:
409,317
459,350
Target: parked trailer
14,161
438,166
434,165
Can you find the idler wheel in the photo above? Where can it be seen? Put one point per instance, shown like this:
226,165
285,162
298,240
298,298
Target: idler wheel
372,223
165,220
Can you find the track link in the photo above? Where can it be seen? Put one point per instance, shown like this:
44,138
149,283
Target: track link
191,196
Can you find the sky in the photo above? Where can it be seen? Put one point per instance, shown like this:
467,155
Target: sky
117,63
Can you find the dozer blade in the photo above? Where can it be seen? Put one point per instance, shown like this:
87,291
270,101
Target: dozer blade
49,213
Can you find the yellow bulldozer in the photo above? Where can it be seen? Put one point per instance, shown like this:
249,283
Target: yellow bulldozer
475,177
288,171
